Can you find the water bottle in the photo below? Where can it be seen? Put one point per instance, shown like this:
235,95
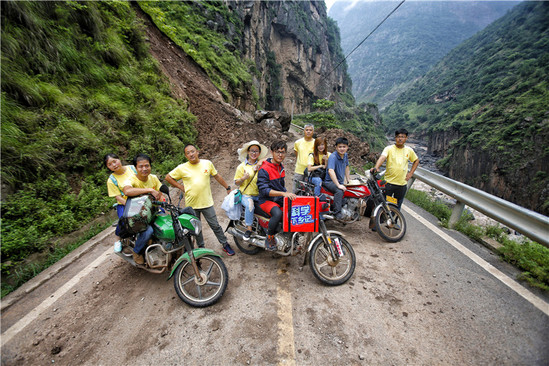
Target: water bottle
118,246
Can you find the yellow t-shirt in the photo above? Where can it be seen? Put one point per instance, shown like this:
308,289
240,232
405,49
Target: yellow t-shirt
397,163
311,160
303,149
120,179
196,180
152,182
252,189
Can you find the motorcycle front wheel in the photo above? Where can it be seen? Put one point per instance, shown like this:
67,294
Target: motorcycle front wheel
391,226
326,269
206,290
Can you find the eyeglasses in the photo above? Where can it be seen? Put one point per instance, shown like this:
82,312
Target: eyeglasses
283,152
253,151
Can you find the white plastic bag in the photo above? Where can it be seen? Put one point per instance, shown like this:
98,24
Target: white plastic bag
231,209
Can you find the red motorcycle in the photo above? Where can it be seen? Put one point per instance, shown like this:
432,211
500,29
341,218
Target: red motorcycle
302,231
364,194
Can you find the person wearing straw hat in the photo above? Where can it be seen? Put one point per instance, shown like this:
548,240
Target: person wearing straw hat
251,155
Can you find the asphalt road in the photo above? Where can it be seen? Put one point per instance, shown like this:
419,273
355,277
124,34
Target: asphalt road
419,301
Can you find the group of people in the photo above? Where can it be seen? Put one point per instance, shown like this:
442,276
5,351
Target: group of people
261,180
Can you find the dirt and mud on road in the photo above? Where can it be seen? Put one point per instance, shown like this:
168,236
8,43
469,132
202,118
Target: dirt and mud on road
402,306
412,302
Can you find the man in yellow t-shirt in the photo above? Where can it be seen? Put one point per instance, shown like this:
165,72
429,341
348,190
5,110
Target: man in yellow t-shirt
302,148
142,183
397,174
195,175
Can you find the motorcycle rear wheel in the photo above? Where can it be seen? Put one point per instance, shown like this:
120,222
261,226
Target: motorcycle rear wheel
211,286
246,248
391,232
332,274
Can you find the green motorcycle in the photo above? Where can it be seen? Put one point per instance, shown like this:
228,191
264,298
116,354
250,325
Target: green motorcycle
200,276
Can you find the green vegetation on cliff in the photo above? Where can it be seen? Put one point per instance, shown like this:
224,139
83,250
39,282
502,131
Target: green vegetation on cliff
209,33
77,82
409,43
492,92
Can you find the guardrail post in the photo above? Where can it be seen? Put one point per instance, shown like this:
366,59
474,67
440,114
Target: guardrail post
456,214
410,182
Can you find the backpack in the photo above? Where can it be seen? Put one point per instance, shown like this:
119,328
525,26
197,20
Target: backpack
138,214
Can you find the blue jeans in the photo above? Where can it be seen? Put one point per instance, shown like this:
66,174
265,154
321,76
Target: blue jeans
142,239
248,202
338,196
317,181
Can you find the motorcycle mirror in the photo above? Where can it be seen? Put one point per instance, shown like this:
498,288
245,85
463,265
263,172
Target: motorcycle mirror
164,189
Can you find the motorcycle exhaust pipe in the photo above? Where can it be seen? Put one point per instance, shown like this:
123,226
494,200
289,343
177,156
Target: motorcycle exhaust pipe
258,241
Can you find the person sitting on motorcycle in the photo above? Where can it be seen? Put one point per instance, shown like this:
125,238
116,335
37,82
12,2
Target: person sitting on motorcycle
245,177
142,183
317,164
119,175
272,190
338,172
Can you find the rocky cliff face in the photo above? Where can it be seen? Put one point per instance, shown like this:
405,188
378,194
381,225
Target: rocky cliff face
521,181
293,46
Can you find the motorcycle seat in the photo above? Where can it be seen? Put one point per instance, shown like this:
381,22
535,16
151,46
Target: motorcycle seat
260,212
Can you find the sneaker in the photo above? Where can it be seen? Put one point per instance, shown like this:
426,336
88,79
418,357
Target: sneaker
247,235
118,246
339,216
138,258
227,249
270,243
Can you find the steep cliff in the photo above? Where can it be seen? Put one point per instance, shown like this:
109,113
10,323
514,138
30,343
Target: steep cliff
408,44
485,108
277,55
294,47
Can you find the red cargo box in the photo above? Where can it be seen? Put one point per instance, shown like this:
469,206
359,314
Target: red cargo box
301,214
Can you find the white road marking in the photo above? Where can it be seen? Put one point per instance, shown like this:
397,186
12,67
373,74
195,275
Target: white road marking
530,297
37,311
286,348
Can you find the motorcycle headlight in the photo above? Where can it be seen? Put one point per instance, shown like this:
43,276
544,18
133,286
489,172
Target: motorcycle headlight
197,224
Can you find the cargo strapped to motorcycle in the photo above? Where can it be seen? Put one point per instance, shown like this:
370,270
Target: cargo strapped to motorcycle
301,214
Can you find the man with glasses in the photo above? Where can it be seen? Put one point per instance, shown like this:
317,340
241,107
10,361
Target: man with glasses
272,189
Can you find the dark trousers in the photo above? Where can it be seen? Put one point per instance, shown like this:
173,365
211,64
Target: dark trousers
396,191
338,196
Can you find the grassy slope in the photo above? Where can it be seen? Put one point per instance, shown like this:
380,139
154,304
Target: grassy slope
77,82
496,79
493,89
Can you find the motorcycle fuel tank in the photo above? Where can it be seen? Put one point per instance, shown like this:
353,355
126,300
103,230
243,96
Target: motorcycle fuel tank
163,228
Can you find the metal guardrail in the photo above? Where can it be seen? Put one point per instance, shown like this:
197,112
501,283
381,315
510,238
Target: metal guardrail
529,223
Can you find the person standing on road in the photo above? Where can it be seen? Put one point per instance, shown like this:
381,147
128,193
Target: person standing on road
245,177
302,148
272,190
338,173
142,183
198,193
397,175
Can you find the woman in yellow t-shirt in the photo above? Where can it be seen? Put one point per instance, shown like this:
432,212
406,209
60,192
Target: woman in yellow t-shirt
251,155
120,173
317,164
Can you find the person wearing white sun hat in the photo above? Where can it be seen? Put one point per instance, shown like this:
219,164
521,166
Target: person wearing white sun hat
251,154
